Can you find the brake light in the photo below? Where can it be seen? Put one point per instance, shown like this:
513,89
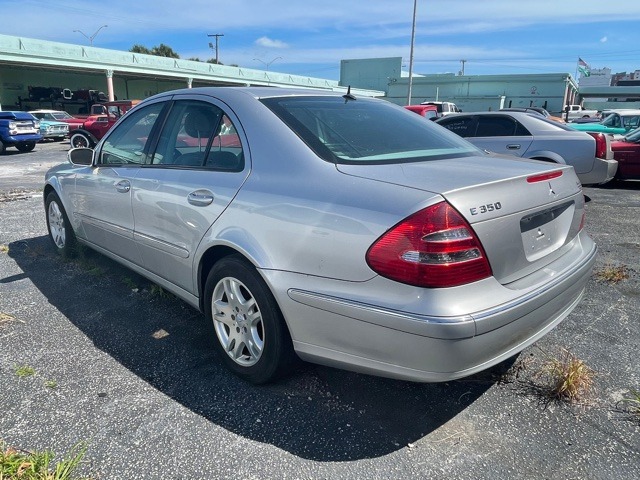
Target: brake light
434,247
543,177
601,144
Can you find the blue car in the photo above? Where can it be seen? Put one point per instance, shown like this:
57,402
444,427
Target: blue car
20,130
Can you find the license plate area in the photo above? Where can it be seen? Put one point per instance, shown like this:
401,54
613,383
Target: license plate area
546,231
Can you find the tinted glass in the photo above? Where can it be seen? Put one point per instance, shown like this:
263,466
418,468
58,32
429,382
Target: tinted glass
495,126
365,130
463,126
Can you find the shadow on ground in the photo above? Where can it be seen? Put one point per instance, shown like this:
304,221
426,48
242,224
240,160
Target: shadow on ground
317,413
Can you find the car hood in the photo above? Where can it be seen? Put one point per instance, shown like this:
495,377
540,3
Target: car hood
471,182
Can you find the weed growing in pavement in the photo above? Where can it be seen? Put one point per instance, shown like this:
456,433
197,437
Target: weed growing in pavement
612,274
567,378
4,248
52,384
24,371
5,318
25,465
157,290
129,283
632,403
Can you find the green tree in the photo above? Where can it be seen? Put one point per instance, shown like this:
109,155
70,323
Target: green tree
161,50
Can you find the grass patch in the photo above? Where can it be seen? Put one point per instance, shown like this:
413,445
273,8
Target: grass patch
129,283
566,378
24,371
4,248
612,274
25,465
52,384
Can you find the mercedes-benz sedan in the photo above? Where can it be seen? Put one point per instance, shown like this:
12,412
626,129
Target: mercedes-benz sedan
345,230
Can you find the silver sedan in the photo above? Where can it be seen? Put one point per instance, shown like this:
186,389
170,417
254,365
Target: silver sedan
528,135
346,231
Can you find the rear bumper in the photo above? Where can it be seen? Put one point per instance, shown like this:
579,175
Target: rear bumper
375,339
603,171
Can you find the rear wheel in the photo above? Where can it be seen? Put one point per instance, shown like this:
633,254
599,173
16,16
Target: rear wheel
26,147
80,140
251,335
60,231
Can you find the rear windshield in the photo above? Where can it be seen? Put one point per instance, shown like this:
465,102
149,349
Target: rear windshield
366,131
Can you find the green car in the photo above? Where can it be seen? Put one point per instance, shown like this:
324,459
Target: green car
617,122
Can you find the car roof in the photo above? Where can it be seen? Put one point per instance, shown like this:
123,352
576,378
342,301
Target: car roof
622,111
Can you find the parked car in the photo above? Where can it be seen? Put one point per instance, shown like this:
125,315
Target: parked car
539,110
58,116
627,152
427,111
50,129
531,136
347,230
444,108
20,130
616,122
95,126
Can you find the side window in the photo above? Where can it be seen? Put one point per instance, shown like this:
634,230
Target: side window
198,134
126,143
463,126
495,126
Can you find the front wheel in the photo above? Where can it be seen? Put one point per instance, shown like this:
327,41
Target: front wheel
26,147
251,335
80,140
60,231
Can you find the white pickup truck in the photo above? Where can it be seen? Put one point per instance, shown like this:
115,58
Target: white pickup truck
571,112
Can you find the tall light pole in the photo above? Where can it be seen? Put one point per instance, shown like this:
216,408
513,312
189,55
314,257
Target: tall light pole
413,39
267,64
90,38
217,35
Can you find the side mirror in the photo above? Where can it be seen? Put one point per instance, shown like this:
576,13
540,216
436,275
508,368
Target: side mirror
80,156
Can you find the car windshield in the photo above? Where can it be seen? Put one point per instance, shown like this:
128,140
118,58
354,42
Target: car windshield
61,115
366,131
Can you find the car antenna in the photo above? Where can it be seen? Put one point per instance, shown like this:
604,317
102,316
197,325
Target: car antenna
347,96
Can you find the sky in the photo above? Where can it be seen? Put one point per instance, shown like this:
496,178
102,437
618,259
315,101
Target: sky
306,38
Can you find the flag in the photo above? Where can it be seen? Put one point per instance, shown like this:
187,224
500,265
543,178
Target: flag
583,67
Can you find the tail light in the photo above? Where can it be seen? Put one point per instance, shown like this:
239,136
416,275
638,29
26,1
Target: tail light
434,247
601,144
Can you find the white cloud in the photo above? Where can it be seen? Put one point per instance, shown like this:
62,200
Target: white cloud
603,40
267,42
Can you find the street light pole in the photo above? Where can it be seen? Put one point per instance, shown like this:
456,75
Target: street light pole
413,39
217,35
90,38
267,64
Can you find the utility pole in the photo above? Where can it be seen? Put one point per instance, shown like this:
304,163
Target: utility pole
413,39
217,35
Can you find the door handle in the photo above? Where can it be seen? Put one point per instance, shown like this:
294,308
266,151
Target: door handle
123,186
200,198
513,146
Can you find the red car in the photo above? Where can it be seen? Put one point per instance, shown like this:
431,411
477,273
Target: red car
627,153
427,111
103,117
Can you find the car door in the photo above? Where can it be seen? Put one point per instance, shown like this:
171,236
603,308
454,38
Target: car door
629,161
103,193
501,134
195,171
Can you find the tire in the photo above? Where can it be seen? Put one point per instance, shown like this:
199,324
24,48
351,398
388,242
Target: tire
2,148
80,140
26,147
251,336
59,227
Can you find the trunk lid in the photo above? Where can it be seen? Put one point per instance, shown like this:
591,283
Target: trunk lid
522,216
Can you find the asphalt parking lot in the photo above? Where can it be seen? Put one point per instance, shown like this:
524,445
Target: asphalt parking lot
131,372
